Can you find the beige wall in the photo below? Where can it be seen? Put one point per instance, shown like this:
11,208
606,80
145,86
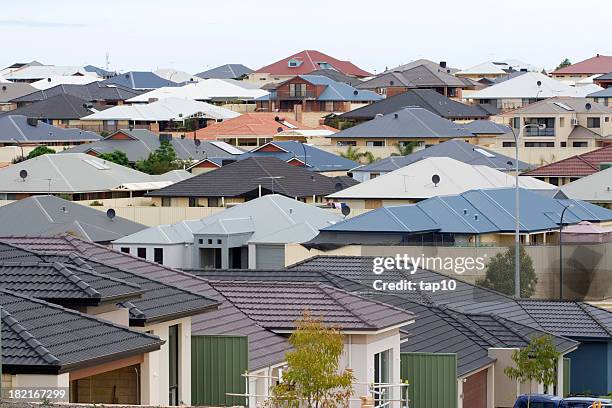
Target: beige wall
538,156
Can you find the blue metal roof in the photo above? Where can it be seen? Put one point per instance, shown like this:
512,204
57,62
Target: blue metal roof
475,212
604,93
335,91
139,80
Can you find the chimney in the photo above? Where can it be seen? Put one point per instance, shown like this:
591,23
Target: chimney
297,109
443,64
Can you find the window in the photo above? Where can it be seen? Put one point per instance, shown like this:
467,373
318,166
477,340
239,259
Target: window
214,202
593,123
125,250
166,202
297,90
382,369
539,144
219,242
508,144
173,364
554,181
563,144
607,119
580,144
375,143
193,201
142,253
292,63
209,241
158,255
346,143
561,122
374,175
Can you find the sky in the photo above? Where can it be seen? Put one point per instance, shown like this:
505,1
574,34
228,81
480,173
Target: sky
195,35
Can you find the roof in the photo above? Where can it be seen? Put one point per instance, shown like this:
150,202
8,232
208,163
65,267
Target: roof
142,142
334,91
526,86
311,60
410,122
455,149
311,157
175,75
205,90
63,106
487,127
77,173
227,71
50,215
16,129
421,76
604,93
497,68
92,92
249,175
337,76
474,212
576,166
419,62
596,187
10,91
176,109
561,105
269,219
159,301
139,80
424,98
599,64
52,81
41,337
36,72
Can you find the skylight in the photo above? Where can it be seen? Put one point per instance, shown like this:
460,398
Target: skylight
484,152
564,106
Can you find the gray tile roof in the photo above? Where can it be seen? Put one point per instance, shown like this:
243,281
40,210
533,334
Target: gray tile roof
10,91
94,92
16,128
227,71
246,176
50,215
41,337
139,80
420,76
63,106
337,76
487,127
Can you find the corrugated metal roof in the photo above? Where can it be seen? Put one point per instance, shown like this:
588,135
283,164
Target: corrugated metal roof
15,129
139,80
595,188
227,71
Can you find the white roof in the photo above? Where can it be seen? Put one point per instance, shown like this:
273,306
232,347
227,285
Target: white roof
50,82
497,67
415,181
166,109
306,132
597,187
273,218
46,71
175,75
77,173
526,86
204,90
2,80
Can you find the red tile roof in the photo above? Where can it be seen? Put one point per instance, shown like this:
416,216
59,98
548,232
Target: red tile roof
309,59
599,64
576,166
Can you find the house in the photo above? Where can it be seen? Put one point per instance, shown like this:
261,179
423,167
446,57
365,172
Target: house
594,188
50,215
249,235
455,149
62,110
248,179
410,124
487,128
10,91
495,69
165,115
141,80
33,73
227,71
416,182
421,76
315,93
605,80
336,76
138,144
424,98
420,62
573,168
175,75
525,89
603,97
567,122
79,176
16,66
52,81
302,63
102,73
100,287
599,64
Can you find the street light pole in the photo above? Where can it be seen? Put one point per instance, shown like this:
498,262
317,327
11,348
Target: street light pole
561,251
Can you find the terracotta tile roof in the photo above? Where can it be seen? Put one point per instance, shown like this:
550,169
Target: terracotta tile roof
599,64
309,62
576,166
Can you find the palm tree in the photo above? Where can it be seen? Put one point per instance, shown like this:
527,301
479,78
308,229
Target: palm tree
353,153
404,149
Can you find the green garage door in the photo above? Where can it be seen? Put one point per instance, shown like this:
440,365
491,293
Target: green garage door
432,378
217,365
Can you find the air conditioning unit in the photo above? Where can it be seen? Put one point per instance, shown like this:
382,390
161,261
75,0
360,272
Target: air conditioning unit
574,122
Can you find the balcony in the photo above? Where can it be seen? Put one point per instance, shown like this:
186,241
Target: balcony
537,132
292,96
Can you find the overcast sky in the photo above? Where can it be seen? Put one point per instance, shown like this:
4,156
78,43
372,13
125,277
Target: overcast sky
194,35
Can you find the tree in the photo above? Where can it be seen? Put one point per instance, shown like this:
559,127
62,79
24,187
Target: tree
353,153
500,273
163,159
115,156
313,378
536,362
404,149
39,151
565,63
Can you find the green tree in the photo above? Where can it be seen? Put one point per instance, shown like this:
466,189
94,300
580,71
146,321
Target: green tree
39,151
500,273
353,153
536,362
115,156
404,149
313,378
565,63
163,159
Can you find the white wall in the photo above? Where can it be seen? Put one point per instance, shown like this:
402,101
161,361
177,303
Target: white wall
175,255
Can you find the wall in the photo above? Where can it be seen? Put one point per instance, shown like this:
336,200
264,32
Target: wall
112,387
591,370
432,378
538,156
175,255
506,390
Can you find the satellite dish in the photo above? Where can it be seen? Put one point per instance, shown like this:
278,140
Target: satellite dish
587,106
435,179
391,83
539,83
23,174
197,142
355,92
346,210
110,213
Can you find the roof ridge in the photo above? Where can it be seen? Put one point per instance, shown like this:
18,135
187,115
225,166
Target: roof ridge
72,277
474,328
508,327
583,307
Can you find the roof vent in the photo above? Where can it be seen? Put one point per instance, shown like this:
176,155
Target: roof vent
64,209
587,106
476,217
396,115
465,211
23,174
435,179
391,83
443,64
110,213
4,87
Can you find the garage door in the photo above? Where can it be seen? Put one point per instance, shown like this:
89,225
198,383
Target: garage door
475,390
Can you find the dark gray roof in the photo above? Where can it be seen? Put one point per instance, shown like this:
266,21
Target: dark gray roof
39,337
92,92
337,76
604,93
16,127
246,176
425,98
143,142
50,215
99,71
410,122
159,301
63,106
604,77
139,80
421,76
487,127
455,149
227,71
12,90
